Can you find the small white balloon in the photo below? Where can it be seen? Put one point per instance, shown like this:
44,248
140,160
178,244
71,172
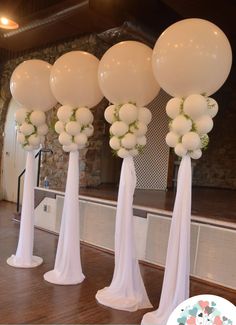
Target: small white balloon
139,129
59,127
195,154
20,138
180,150
34,140
133,152
27,129
114,143
144,115
42,129
212,107
109,114
89,130
64,113
181,125
37,118
119,128
81,139
142,140
73,127
65,139
123,153
70,148
172,139
173,107
84,116
20,115
195,106
128,113
129,141
204,124
191,141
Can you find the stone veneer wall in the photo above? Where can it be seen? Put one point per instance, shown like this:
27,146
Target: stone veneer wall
55,166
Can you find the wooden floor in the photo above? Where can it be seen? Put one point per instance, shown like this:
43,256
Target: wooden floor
26,298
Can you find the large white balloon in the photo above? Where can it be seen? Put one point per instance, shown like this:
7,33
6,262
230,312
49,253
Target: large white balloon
30,85
125,74
192,56
74,79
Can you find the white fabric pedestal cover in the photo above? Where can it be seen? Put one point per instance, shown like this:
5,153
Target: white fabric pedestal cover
24,254
67,269
175,287
126,291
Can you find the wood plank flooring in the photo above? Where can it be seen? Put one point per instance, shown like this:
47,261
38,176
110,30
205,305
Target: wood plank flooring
25,298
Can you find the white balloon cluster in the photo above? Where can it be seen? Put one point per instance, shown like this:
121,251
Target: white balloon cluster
191,120
31,128
74,127
128,128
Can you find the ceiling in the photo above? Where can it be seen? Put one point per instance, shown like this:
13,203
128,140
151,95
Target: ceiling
48,21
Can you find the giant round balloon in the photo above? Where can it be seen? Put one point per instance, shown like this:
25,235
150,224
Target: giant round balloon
192,56
125,74
74,79
30,85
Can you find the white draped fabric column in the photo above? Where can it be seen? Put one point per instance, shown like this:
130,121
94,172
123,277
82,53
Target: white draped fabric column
67,269
126,291
175,287
24,254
